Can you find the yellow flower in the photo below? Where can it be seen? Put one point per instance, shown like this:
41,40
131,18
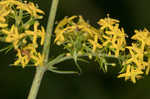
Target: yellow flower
35,56
107,22
131,73
38,59
86,27
31,48
107,41
62,23
29,54
60,29
136,56
116,38
4,11
22,59
143,36
7,2
59,39
32,10
127,74
72,18
68,28
90,30
60,36
42,34
13,36
82,21
3,25
29,7
36,33
95,43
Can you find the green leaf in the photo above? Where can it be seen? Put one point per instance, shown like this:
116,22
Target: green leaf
62,71
103,64
83,60
76,63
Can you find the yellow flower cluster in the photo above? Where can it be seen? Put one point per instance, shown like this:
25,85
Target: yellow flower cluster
108,39
67,27
113,36
28,53
107,22
4,11
12,36
36,33
25,36
28,7
76,34
139,52
131,73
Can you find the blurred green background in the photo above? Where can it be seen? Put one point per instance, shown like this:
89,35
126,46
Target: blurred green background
15,82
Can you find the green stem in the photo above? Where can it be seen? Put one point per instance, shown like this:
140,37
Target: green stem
49,30
36,82
41,70
64,58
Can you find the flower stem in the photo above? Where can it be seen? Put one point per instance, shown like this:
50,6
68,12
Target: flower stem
49,29
41,70
36,82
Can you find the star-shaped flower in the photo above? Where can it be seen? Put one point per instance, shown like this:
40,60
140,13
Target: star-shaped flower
95,43
131,73
13,36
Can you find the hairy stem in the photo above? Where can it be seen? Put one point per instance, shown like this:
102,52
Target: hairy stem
41,70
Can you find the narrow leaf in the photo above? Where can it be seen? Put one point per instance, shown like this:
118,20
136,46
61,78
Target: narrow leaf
83,60
62,71
56,60
76,63
29,65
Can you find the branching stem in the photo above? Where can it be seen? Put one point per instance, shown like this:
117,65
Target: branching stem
41,69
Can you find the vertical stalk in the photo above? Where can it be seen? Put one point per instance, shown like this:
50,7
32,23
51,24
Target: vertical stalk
36,82
41,70
49,29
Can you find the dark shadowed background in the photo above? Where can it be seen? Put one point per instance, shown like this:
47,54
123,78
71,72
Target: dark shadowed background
15,82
